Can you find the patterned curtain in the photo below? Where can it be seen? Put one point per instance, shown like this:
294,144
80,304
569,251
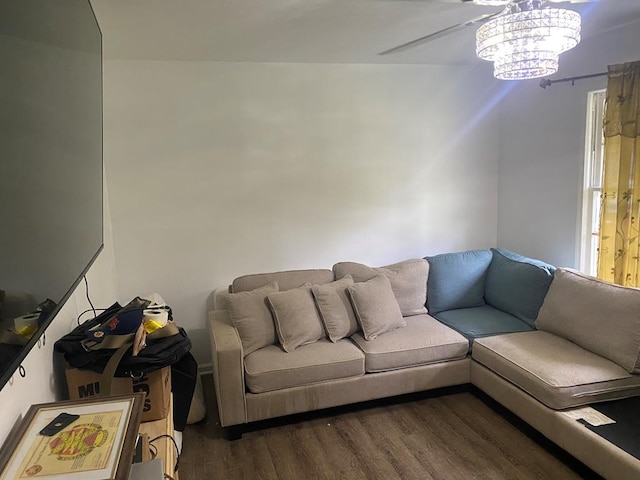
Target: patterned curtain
619,252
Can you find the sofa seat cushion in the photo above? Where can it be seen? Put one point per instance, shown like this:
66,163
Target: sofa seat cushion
423,340
482,321
555,371
271,368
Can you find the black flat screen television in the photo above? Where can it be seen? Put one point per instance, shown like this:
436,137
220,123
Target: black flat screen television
51,226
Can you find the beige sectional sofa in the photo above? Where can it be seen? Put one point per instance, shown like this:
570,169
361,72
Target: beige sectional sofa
290,342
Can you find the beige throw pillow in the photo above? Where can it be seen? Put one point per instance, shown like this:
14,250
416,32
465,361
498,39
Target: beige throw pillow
375,306
335,308
296,317
408,281
250,315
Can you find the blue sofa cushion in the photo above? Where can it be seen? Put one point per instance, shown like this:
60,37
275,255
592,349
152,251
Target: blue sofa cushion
456,280
482,321
517,284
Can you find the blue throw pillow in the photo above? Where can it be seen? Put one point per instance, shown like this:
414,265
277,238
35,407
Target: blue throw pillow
456,280
517,284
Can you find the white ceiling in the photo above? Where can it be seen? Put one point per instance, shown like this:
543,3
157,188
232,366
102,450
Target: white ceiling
311,31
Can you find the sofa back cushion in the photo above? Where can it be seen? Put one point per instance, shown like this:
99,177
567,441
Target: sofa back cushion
335,308
601,317
408,281
250,315
456,280
296,317
517,284
286,280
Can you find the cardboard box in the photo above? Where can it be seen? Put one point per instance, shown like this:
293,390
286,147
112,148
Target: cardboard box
157,386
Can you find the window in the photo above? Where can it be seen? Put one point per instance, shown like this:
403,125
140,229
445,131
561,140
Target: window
592,186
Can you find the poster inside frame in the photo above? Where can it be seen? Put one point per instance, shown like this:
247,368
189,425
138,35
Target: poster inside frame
90,448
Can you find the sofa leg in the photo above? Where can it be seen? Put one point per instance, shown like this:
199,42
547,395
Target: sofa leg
234,432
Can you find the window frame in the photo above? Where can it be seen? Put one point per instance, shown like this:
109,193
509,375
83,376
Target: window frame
592,183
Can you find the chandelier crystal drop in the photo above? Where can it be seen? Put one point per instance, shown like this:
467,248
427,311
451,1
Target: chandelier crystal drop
527,41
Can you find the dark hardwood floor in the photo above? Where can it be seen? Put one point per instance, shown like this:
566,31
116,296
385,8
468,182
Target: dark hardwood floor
448,434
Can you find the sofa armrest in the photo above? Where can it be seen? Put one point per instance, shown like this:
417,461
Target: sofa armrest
228,369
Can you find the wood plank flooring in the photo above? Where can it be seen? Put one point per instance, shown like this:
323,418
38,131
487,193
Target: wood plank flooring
449,434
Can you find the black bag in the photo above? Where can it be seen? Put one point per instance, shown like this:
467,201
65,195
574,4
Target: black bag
105,345
184,375
164,347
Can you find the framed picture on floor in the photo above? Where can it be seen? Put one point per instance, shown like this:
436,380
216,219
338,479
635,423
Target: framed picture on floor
89,439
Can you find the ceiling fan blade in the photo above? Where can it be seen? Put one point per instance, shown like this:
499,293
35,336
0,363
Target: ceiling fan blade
440,33
484,3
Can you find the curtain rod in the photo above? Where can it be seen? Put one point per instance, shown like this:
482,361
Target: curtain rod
545,82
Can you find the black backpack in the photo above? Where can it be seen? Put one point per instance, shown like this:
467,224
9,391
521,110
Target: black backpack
164,347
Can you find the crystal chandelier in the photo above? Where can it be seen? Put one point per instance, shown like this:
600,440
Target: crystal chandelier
526,41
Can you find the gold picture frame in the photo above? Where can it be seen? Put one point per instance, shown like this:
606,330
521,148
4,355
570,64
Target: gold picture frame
98,445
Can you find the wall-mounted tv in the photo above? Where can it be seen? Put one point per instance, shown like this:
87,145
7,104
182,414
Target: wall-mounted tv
50,164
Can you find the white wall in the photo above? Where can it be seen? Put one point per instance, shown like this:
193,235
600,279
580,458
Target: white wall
42,384
222,169
542,143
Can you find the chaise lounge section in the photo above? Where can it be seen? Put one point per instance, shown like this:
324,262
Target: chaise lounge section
546,343
586,350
